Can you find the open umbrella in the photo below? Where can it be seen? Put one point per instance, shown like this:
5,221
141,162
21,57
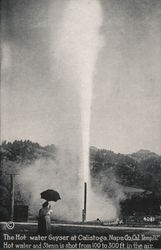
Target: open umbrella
50,195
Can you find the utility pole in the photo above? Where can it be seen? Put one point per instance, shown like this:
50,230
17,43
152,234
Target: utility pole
12,195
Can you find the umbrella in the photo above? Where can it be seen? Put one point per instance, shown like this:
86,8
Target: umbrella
50,195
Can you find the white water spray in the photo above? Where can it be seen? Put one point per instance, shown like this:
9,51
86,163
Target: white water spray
75,46
81,31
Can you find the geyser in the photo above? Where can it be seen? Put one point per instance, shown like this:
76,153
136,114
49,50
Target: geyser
75,47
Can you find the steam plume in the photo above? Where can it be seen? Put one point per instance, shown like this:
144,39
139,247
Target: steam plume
75,42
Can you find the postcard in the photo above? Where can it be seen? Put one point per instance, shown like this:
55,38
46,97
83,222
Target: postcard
80,124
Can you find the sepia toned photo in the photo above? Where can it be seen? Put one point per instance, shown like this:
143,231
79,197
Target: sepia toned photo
80,124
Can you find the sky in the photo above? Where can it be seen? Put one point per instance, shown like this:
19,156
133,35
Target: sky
57,53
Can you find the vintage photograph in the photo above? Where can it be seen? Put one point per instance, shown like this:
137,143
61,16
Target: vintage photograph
80,124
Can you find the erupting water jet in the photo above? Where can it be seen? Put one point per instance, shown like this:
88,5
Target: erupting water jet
75,47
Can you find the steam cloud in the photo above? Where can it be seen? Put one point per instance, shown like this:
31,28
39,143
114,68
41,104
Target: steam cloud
106,194
74,44
45,174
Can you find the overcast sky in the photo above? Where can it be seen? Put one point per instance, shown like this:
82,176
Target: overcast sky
41,98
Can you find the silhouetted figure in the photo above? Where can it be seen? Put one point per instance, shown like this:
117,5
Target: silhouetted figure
44,220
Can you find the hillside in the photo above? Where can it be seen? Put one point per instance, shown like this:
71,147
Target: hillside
25,151
143,155
123,178
17,156
141,169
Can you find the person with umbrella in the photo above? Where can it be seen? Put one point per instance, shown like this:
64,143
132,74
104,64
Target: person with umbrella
44,219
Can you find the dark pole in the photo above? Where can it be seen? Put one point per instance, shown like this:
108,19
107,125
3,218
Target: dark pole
85,199
12,196
85,203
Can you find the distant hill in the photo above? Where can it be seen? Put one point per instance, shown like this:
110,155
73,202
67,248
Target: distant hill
113,174
25,151
139,170
14,157
143,155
